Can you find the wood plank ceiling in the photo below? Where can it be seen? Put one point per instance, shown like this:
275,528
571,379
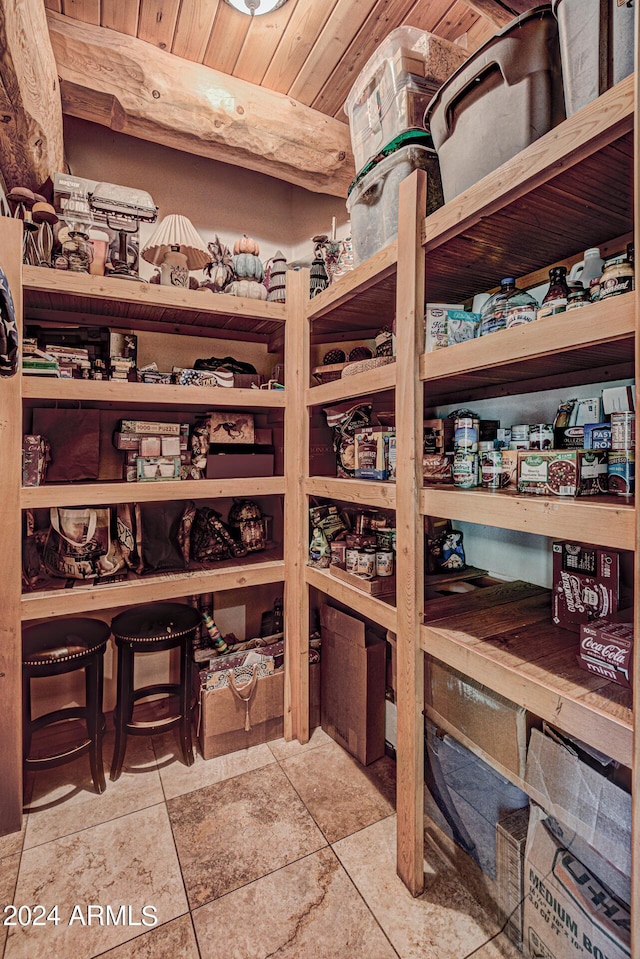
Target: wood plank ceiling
310,50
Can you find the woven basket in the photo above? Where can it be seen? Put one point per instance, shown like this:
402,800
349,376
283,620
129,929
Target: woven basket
350,369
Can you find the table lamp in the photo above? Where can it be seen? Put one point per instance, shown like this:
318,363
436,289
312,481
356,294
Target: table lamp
176,248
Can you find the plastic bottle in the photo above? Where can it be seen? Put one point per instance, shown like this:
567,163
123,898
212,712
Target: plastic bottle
555,299
521,308
590,268
493,315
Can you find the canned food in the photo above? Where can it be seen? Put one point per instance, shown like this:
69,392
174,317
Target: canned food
465,434
366,562
351,560
520,432
491,469
541,436
384,562
384,539
623,431
465,470
509,475
622,471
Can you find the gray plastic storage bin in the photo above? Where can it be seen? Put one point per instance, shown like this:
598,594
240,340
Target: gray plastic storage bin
596,44
507,94
373,200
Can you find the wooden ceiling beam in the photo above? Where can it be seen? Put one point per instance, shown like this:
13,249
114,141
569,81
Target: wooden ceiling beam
31,141
134,88
492,10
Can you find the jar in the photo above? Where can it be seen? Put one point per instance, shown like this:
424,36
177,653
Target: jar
351,559
465,434
465,470
541,436
493,315
491,469
617,277
384,562
384,539
485,445
578,298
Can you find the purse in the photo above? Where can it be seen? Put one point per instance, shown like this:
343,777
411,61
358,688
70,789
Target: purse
80,544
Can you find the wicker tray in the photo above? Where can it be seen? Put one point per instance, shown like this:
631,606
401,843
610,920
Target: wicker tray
361,366
330,372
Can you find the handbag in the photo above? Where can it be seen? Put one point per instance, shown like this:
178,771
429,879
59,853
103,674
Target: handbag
80,544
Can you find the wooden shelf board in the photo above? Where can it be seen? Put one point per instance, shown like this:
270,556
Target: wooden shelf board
362,492
503,638
374,609
80,298
569,190
231,574
601,520
359,303
95,494
148,395
360,384
584,340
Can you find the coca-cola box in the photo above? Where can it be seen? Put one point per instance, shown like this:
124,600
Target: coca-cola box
606,649
585,584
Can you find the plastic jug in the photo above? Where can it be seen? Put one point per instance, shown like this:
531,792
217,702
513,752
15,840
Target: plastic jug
587,269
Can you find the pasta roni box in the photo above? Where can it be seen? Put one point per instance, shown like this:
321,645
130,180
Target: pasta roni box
448,324
585,584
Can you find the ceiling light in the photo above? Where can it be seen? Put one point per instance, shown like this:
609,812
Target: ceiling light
256,7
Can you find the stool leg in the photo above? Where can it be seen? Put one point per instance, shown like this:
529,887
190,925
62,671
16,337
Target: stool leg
124,707
26,715
185,700
93,683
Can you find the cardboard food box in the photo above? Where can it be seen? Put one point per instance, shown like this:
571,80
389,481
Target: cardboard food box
577,861
222,717
353,684
235,465
438,436
498,728
562,472
372,452
597,436
448,325
568,437
606,649
585,584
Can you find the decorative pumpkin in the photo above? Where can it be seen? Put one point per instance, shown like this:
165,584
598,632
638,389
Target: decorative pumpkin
248,288
248,267
246,244
220,270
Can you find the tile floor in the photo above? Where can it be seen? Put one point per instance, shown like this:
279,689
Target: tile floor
280,850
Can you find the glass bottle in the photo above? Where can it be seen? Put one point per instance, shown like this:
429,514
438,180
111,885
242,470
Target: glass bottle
555,299
493,316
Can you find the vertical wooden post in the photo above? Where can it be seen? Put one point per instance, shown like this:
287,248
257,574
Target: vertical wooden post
635,771
296,465
410,535
11,526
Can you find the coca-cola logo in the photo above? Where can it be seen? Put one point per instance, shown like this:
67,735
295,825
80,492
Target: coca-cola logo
608,652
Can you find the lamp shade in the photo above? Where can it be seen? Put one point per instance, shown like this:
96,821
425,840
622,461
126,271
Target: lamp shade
256,7
176,230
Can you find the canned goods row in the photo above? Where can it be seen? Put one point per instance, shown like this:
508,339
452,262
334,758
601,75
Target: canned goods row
364,562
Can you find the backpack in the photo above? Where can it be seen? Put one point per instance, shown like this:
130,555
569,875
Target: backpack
211,539
247,524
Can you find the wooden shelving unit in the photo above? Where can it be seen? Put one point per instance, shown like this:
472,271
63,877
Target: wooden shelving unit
571,189
44,295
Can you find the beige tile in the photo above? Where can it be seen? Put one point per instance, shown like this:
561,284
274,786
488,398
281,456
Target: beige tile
130,861
284,750
308,910
11,844
173,940
444,923
8,875
342,795
239,830
178,779
64,799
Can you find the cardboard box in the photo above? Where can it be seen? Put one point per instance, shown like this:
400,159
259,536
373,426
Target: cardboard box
606,649
597,436
486,720
577,861
618,399
563,472
437,436
585,584
148,427
226,426
353,684
511,838
372,452
221,727
568,437
234,465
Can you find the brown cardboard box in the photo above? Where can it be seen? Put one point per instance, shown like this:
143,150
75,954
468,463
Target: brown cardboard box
353,684
234,465
585,584
496,726
222,716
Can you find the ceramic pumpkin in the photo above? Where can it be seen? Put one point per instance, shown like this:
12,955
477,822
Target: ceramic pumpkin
246,244
248,288
220,270
248,267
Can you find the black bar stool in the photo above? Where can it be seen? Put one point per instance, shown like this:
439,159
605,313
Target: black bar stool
148,629
62,646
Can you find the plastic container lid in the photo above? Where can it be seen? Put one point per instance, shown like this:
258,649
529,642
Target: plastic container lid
402,38
407,138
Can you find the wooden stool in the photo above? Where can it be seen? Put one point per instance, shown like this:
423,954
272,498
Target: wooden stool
148,629
62,646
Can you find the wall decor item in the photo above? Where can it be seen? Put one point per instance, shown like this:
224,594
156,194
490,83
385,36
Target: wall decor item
319,278
220,269
246,244
176,248
248,266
